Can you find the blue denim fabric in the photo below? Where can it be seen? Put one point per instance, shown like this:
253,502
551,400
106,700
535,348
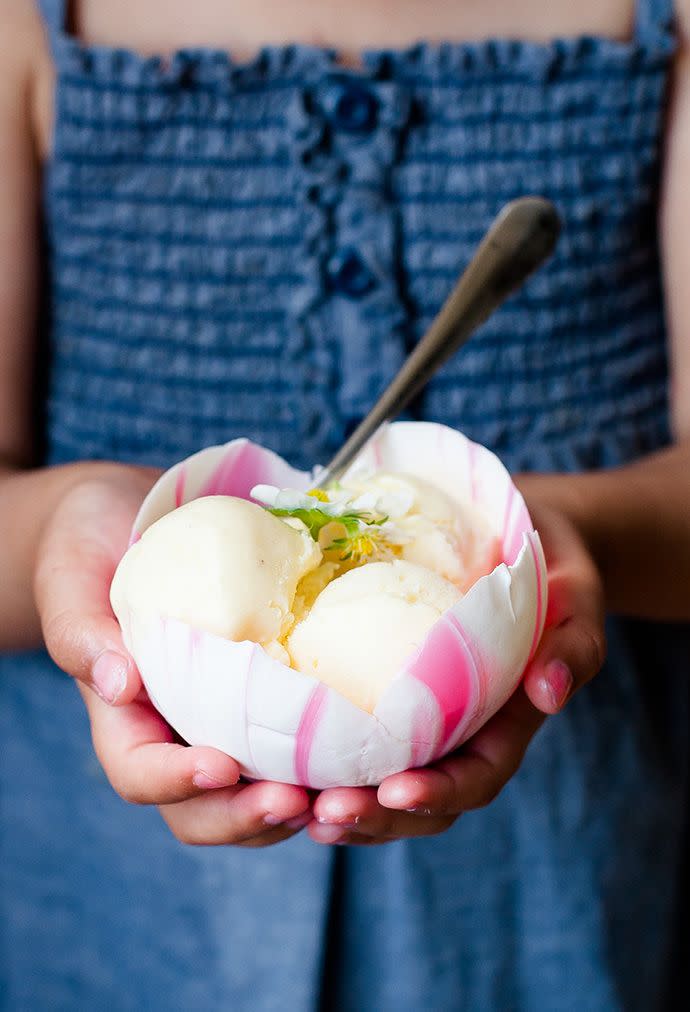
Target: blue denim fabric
251,249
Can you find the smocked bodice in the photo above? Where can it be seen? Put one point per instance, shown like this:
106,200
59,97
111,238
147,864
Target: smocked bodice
252,249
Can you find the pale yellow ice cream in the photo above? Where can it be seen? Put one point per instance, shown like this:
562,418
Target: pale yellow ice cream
364,625
221,564
346,604
448,536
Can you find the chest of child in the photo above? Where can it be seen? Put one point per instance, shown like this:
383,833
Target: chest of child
348,27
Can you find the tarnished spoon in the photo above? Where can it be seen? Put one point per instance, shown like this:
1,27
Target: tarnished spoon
520,238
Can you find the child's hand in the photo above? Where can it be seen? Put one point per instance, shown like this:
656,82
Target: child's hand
196,787
427,801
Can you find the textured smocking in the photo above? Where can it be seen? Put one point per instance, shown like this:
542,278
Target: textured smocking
252,249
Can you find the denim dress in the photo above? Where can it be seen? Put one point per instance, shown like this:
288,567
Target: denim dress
252,249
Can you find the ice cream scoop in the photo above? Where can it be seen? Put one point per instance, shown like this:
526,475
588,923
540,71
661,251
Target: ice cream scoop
446,534
222,564
364,625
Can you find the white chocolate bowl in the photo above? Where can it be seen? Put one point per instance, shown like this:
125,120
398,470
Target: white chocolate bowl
285,725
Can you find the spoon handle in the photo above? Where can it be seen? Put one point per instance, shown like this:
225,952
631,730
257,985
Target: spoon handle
520,238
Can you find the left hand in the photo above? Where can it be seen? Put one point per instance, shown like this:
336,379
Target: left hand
423,802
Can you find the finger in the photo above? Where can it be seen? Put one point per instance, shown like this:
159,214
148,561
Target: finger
352,839
569,656
381,828
143,763
251,815
77,560
269,837
473,776
345,811
573,646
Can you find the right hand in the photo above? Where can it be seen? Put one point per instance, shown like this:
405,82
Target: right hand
196,787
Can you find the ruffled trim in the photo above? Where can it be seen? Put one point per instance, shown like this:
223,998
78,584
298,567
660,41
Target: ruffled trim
197,67
523,58
215,68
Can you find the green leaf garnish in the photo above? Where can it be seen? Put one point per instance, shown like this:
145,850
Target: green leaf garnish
355,544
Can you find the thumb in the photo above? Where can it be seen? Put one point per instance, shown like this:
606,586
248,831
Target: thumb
569,656
573,647
77,559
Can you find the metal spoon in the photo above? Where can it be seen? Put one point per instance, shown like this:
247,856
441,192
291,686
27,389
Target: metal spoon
520,238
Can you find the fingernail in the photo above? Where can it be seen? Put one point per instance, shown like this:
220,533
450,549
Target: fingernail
344,822
329,834
273,820
109,675
559,682
207,782
396,796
